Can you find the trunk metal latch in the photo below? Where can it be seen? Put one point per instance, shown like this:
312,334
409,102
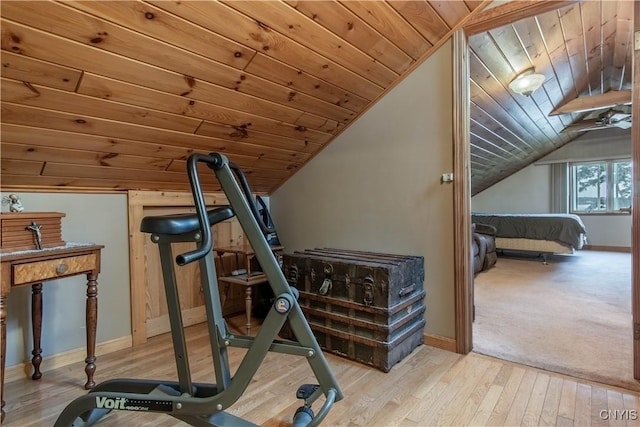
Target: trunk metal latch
327,283
368,290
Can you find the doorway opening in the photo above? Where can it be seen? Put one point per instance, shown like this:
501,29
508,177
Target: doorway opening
518,139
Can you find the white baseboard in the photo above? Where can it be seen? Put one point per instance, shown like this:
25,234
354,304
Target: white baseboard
607,248
25,369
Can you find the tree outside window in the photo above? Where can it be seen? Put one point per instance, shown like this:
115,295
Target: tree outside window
622,191
601,187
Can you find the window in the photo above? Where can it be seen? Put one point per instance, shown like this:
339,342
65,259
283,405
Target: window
601,187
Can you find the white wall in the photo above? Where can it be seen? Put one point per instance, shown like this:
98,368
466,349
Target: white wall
526,191
608,230
529,190
596,145
97,218
377,186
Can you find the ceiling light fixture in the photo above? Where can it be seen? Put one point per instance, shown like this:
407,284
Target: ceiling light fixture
527,82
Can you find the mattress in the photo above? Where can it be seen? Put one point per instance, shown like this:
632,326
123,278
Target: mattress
566,229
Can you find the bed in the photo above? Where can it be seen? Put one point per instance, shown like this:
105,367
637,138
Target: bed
541,233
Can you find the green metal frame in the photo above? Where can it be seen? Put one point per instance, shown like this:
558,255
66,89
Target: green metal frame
205,404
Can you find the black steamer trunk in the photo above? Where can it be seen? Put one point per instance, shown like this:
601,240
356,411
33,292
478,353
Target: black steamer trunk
366,306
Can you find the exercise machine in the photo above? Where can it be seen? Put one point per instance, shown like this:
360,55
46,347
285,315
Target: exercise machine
202,404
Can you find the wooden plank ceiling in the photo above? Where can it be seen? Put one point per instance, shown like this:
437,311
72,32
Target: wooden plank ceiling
116,94
584,51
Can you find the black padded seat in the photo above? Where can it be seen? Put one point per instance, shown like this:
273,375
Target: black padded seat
182,223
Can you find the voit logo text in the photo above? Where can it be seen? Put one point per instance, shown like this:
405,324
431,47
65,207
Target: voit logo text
119,403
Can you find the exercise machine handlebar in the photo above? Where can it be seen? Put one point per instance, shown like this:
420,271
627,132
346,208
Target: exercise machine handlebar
214,161
206,242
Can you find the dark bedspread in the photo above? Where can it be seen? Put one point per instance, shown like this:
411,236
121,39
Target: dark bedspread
565,228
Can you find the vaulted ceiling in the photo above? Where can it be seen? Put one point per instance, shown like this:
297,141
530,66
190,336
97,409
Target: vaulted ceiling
116,94
583,49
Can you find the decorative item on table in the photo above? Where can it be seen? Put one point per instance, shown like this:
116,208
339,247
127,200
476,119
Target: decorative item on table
24,231
13,200
34,227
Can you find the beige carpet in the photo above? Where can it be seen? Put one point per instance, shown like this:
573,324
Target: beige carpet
572,316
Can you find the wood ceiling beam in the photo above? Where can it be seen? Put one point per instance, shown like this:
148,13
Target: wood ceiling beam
511,12
595,102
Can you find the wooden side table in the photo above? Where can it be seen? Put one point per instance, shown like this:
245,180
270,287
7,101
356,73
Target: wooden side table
248,279
34,267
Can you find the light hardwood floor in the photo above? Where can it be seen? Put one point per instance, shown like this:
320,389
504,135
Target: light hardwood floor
430,387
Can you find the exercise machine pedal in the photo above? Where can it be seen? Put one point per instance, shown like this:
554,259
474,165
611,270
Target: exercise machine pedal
305,391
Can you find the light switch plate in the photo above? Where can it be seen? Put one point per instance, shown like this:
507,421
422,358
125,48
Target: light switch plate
447,177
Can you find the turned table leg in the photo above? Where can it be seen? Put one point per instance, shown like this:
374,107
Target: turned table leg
36,322
92,322
247,303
